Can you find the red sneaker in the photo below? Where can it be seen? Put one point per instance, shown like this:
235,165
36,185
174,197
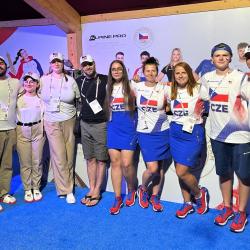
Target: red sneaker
130,200
186,209
116,206
142,197
239,222
226,214
155,201
202,203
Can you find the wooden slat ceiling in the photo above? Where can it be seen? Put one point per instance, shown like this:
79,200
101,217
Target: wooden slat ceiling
19,10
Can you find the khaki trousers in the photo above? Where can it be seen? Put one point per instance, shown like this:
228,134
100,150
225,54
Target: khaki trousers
7,143
62,145
30,142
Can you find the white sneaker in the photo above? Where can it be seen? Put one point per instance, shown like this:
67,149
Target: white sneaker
28,196
70,198
8,199
1,208
37,195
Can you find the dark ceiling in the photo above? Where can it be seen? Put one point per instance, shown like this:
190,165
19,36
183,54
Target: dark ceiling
18,9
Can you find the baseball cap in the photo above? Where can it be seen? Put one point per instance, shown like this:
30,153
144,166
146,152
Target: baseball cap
221,46
31,75
86,58
56,55
247,52
3,60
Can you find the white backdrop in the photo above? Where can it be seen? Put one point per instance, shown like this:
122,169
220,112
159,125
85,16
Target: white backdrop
195,34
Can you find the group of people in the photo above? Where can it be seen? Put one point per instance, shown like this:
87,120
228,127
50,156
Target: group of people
118,116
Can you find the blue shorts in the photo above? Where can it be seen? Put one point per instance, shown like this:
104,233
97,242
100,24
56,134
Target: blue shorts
154,146
230,158
121,131
185,147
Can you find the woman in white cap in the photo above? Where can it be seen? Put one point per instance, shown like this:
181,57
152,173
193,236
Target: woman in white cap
30,137
59,93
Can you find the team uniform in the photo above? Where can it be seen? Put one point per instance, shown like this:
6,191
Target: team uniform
185,147
121,130
228,122
153,124
58,96
30,140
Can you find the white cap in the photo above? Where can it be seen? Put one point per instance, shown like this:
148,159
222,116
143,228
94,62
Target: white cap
56,55
86,58
2,59
247,51
32,75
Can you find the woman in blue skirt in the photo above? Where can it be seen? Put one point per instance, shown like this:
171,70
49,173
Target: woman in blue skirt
153,132
121,133
187,137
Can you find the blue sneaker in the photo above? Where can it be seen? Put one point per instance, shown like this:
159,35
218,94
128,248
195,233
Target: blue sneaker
156,204
115,209
130,200
143,197
185,209
202,203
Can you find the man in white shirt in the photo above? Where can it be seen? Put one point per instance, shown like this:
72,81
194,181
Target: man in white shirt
9,88
229,133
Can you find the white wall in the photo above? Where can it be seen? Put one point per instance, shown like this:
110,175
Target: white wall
194,33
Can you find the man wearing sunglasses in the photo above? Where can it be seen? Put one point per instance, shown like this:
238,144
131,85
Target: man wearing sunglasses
92,87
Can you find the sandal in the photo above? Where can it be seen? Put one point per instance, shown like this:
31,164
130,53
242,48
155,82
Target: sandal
8,199
97,199
86,199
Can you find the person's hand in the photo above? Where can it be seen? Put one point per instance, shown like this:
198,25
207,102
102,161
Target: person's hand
136,78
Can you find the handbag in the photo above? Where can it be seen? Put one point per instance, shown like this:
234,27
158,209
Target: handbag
77,127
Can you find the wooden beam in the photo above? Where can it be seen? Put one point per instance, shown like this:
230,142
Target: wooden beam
166,11
60,12
74,41
26,22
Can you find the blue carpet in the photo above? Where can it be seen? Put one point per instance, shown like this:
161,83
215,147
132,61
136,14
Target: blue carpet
53,224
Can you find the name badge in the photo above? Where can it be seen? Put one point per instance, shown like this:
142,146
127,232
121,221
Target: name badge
54,105
3,112
95,106
188,125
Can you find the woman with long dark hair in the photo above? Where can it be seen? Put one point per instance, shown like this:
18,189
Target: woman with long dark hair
121,133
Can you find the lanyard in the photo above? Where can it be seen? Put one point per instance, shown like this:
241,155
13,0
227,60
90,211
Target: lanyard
148,99
9,93
96,90
50,92
181,103
115,96
219,83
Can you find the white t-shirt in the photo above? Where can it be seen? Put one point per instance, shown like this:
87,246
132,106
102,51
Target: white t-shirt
151,102
29,109
117,99
9,89
228,115
184,105
64,91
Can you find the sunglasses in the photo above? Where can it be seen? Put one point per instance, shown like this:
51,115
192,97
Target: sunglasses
84,64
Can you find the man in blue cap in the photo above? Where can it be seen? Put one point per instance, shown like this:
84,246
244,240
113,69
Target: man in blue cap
229,133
